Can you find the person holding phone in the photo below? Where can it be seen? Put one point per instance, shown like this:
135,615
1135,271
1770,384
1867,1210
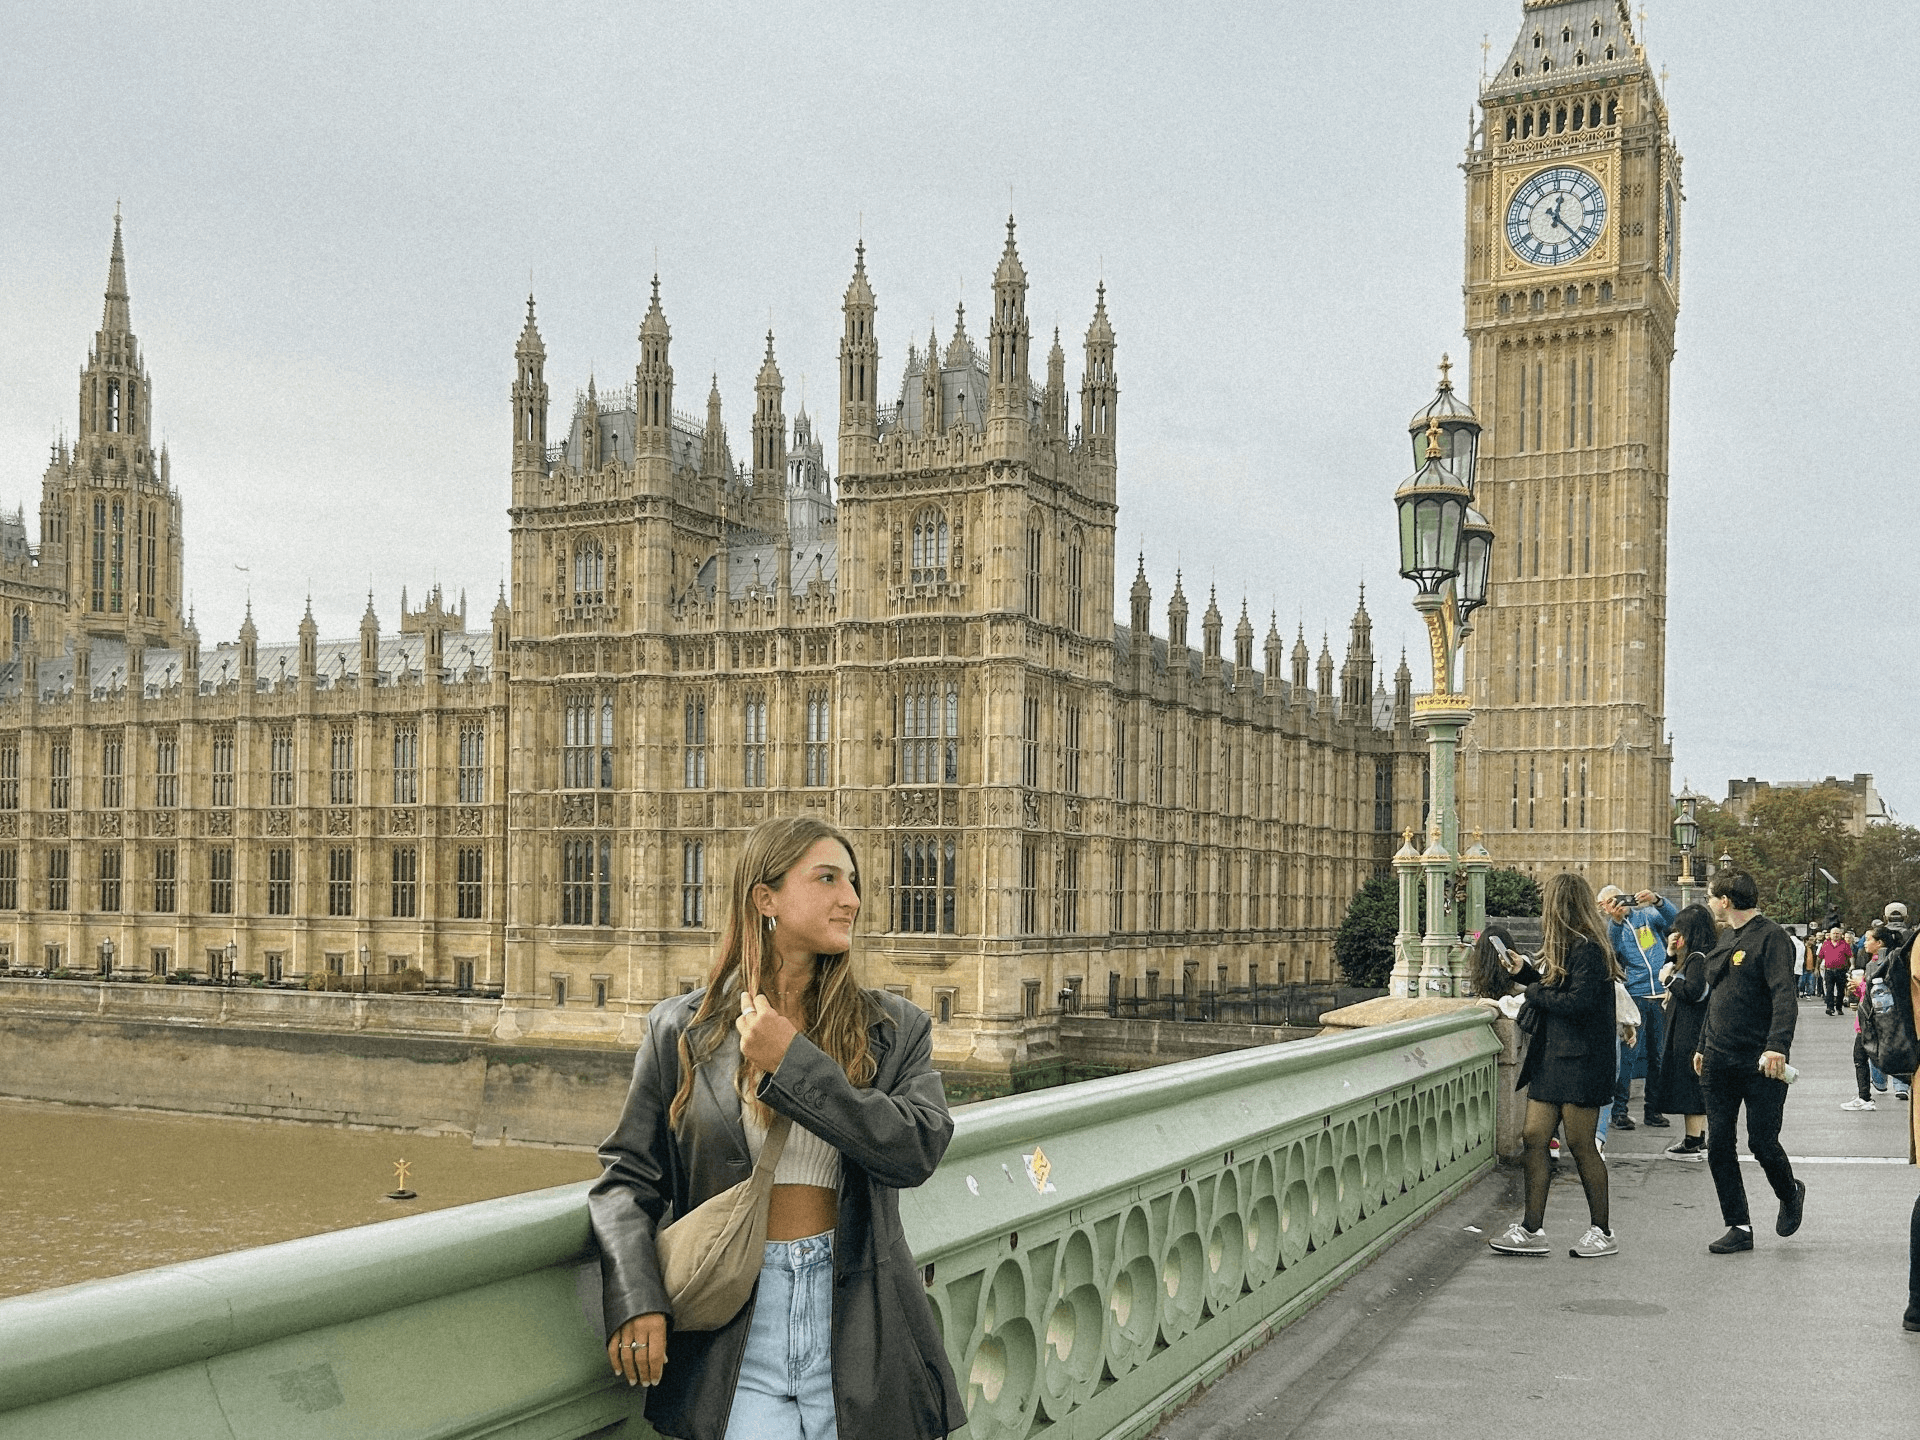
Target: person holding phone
838,1338
1684,977
1569,1070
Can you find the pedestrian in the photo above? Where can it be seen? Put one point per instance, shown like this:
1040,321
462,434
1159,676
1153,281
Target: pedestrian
1638,934
1800,976
1882,947
1904,1019
1685,979
1741,1057
1835,955
1569,1070
837,1337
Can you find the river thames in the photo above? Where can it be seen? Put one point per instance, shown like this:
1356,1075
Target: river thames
88,1193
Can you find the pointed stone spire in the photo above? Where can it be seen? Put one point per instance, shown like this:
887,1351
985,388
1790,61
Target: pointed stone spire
1177,616
859,365
713,443
1008,339
530,397
1402,690
1099,386
769,439
250,647
116,318
1325,668
1054,405
1210,626
960,348
1276,649
1243,648
1141,598
653,381
370,643
1302,659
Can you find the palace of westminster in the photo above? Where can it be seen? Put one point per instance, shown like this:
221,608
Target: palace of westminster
546,808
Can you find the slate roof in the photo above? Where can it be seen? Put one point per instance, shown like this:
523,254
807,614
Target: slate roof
1557,42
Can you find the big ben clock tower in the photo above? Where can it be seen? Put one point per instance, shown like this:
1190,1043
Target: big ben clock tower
1572,288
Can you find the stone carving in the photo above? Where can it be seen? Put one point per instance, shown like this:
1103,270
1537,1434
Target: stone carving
279,822
919,807
339,821
466,820
1073,814
220,822
54,824
105,823
949,808
9,824
163,823
576,810
403,822
1030,810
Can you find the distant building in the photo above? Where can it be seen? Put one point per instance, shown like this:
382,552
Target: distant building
1868,807
548,808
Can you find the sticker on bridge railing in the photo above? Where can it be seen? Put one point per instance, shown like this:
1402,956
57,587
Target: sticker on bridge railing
1038,1169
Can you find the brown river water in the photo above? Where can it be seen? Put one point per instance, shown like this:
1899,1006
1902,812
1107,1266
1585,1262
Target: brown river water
88,1193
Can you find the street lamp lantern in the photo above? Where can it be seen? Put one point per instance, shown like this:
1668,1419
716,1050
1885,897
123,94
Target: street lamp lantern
1476,550
1433,504
1686,834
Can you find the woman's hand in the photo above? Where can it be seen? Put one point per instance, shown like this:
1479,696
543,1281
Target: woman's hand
1666,972
765,1033
638,1349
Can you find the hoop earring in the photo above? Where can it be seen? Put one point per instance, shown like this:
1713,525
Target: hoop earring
772,921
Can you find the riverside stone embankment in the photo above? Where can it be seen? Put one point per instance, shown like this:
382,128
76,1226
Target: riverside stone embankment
401,1062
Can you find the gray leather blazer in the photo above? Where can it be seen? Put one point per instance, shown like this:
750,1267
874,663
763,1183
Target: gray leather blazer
890,1136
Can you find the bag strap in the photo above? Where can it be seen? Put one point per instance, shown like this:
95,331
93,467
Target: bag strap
770,1151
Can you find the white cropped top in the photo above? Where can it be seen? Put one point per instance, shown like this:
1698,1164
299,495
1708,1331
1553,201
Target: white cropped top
807,1160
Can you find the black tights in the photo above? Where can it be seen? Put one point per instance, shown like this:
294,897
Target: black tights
1542,1119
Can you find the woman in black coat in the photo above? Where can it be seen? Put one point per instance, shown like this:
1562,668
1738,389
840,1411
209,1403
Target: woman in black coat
1688,944
1569,1069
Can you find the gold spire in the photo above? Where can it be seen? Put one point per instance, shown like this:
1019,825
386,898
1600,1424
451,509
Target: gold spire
1433,438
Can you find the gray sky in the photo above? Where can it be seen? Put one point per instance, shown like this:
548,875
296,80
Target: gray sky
332,211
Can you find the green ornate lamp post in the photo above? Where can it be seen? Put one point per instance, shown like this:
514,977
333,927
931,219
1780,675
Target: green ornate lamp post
1445,545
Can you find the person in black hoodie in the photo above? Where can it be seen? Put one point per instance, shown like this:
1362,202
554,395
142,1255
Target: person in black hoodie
1741,1056
1691,940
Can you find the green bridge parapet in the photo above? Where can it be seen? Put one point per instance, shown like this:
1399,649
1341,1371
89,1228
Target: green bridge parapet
1094,1254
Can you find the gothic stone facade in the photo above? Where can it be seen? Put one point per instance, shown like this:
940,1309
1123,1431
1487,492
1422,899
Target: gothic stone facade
1040,800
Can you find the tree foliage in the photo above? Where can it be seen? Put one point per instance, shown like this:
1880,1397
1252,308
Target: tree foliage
1512,892
1791,835
1363,945
1884,865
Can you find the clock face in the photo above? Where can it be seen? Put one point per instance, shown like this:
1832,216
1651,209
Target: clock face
1556,216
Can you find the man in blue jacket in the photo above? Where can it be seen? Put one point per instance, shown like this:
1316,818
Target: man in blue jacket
1639,934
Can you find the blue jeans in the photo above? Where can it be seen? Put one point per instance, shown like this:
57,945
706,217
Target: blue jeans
1880,1078
1646,1048
786,1375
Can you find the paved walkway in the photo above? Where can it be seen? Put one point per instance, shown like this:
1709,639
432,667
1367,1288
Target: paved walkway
1800,1338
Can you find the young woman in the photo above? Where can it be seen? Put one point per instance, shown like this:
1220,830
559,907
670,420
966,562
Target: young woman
1569,1069
1689,943
783,1027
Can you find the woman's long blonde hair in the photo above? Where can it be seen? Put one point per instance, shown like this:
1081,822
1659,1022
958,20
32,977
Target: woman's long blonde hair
1568,915
838,1011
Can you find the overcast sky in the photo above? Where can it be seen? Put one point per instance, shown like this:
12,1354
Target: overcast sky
332,212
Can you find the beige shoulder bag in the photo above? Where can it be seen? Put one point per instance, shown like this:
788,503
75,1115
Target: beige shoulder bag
710,1257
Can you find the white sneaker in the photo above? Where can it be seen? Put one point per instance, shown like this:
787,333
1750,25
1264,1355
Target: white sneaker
1858,1104
1516,1239
1595,1243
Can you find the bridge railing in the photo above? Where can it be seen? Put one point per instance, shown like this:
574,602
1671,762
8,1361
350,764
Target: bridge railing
1093,1254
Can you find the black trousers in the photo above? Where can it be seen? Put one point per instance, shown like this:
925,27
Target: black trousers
1727,1088
1862,1066
1913,1264
1834,984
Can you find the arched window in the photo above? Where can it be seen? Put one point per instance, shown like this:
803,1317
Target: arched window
1033,566
925,885
1513,126
589,573
930,546
22,631
1579,106
1593,114
1537,301
1613,112
1606,291
1526,130
930,734
1506,305
1560,120
1572,297
1076,549
113,404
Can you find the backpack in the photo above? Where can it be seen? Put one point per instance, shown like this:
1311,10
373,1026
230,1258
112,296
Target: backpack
1893,1038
